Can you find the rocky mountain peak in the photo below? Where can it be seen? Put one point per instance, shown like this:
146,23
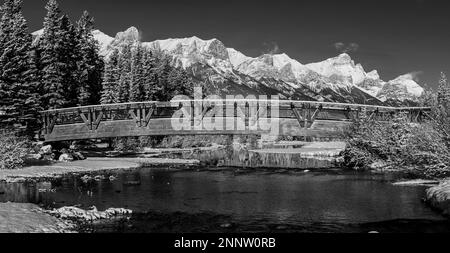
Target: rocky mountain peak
217,49
266,59
343,59
373,75
129,35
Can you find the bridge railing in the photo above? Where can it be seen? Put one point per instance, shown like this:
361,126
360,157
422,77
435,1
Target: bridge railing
305,113
281,103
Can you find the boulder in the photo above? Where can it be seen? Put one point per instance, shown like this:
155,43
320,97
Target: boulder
65,158
37,146
378,165
49,157
46,150
70,212
78,156
35,156
439,197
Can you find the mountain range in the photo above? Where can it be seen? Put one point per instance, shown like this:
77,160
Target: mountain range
228,71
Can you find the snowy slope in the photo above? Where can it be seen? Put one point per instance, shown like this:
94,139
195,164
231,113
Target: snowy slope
402,88
236,57
341,65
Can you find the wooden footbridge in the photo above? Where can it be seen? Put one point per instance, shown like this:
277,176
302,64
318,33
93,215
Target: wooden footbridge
212,117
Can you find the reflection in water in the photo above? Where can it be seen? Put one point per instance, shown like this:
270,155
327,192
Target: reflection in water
245,157
257,196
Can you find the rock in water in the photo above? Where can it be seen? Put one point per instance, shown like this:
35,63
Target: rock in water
70,212
86,179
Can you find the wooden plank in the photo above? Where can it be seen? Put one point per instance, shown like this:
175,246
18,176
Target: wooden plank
107,129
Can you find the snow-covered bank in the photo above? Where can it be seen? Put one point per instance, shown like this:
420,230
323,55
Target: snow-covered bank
30,218
89,165
439,197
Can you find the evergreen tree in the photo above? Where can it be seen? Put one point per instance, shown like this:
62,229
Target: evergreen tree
111,79
59,58
178,83
68,58
441,110
125,74
137,76
49,44
150,78
185,84
18,72
444,92
163,82
90,65
163,87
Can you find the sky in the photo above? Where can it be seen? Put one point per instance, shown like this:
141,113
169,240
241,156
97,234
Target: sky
394,37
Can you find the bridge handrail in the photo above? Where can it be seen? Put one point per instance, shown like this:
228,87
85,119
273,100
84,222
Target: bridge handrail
175,103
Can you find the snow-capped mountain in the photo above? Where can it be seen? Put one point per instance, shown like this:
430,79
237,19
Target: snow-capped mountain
230,71
402,87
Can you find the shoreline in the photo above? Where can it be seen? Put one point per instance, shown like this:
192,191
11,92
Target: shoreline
30,218
90,165
243,156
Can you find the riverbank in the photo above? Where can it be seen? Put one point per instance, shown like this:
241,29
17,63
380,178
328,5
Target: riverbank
288,155
30,218
93,164
438,197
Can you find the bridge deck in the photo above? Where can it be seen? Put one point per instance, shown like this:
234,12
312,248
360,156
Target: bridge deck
211,117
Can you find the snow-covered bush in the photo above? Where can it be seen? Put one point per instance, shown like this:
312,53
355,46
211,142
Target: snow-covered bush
12,151
417,149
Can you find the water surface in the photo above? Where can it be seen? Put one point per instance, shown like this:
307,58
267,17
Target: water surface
244,200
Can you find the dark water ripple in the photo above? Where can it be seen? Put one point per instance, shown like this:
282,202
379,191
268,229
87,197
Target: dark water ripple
240,201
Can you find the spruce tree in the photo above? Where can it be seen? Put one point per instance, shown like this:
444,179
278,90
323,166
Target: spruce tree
59,58
137,93
111,79
444,92
125,74
163,87
442,109
49,44
150,80
7,113
90,65
68,62
18,72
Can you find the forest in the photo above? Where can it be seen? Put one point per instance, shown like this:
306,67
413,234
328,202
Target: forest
62,68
